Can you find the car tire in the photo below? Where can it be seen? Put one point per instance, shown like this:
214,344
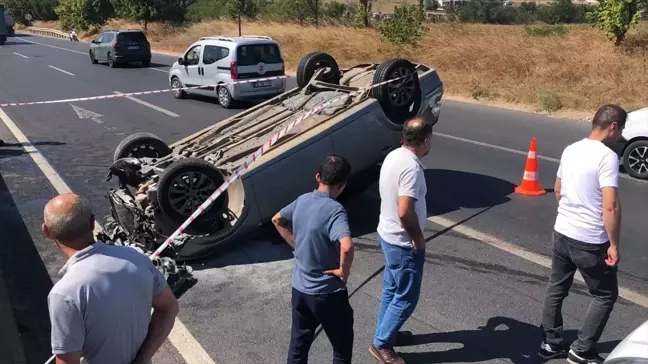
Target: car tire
184,186
93,60
311,62
146,63
400,100
141,145
111,62
176,84
224,97
635,159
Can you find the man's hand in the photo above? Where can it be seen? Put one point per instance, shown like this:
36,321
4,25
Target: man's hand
283,227
340,273
613,256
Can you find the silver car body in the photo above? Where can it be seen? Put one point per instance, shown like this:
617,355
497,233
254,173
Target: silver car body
215,60
633,349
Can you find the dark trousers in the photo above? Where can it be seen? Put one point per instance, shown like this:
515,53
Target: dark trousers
332,311
601,280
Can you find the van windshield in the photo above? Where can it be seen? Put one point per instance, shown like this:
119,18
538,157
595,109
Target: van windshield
132,37
249,55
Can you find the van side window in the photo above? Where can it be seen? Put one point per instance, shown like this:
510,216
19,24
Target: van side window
213,54
193,56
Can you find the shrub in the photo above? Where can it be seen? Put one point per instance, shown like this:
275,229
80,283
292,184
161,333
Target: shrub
406,26
550,100
83,14
615,18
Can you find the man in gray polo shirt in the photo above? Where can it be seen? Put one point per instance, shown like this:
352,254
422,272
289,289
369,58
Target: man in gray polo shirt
100,310
323,254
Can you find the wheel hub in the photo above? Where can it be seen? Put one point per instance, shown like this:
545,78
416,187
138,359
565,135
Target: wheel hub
638,160
189,191
401,91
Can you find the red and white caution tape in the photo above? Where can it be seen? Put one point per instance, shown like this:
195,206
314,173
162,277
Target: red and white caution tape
111,96
251,160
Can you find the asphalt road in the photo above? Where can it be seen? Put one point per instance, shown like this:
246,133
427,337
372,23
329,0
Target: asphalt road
239,310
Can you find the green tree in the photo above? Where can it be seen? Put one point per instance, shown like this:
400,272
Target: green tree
615,18
146,11
406,26
363,10
83,14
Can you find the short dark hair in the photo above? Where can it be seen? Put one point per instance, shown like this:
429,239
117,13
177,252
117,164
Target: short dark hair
334,170
608,114
414,136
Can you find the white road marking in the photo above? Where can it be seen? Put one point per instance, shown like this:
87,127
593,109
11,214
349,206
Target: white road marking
60,70
495,242
154,107
159,70
51,46
186,344
520,152
87,114
21,55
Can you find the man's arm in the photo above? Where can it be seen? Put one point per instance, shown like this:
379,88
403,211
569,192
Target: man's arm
281,221
165,310
339,231
68,329
557,186
409,219
608,181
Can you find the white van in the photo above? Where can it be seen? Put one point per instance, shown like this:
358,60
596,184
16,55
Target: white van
219,60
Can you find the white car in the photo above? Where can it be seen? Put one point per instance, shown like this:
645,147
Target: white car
633,349
633,146
219,60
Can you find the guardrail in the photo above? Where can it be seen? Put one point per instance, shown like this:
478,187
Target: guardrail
48,32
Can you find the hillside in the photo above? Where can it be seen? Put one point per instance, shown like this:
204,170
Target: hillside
579,70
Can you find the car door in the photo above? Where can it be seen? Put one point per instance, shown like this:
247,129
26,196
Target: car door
191,76
106,45
96,48
215,67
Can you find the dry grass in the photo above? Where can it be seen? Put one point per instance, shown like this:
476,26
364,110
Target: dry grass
581,69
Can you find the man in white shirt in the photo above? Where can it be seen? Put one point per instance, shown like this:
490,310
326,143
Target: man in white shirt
400,234
586,237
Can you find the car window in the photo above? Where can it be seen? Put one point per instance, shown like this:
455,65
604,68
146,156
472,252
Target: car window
249,55
108,37
100,39
193,55
132,37
213,54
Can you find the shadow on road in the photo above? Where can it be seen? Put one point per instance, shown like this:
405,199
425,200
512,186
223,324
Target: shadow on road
16,149
500,338
26,278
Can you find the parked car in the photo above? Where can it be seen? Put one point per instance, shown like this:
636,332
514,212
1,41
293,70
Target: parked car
161,185
218,60
121,46
632,148
633,349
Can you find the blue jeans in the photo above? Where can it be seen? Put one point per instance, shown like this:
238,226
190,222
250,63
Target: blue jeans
401,290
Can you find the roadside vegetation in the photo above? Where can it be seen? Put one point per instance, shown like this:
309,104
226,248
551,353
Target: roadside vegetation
551,57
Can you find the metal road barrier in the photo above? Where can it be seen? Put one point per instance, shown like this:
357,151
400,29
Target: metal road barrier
48,32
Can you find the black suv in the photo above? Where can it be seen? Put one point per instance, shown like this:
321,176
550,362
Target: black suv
121,46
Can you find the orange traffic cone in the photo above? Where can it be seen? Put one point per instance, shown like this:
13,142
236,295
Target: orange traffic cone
530,185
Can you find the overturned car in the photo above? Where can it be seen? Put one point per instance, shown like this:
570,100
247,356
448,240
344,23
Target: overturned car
161,185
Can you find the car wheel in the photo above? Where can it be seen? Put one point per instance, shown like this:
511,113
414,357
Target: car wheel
111,61
635,159
184,186
93,60
146,63
224,97
176,85
141,145
400,100
313,62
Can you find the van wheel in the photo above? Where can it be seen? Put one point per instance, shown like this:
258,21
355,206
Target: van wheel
401,99
224,97
313,62
93,60
176,85
635,159
111,61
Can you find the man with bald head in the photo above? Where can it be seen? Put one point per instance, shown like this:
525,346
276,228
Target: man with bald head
100,310
400,235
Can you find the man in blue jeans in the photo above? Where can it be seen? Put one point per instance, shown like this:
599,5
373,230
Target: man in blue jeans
323,254
400,234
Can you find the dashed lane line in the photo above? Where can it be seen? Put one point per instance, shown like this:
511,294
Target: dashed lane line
186,344
20,55
60,70
147,104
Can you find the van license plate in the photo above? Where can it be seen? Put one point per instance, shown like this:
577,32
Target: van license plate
134,47
261,84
